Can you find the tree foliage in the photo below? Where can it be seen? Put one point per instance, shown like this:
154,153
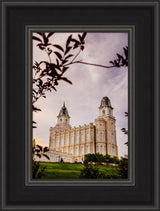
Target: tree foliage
123,167
100,158
37,170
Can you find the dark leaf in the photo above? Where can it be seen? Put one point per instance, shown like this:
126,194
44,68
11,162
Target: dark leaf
82,47
58,55
46,149
46,156
80,38
40,33
40,147
75,45
59,47
68,56
119,56
36,38
84,35
57,62
45,39
111,62
41,46
38,155
68,40
50,34
65,79
64,61
37,150
126,113
64,69
76,41
35,108
67,50
126,52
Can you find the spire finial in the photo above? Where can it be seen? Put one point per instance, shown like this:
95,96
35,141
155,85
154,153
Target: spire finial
64,103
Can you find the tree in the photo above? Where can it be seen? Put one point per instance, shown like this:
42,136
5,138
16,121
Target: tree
123,167
107,159
90,171
37,170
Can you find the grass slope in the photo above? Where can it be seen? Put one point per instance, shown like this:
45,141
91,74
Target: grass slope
70,171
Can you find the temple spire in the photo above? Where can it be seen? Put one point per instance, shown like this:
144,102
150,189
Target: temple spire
63,116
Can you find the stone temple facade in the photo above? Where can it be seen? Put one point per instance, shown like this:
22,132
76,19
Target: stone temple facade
72,143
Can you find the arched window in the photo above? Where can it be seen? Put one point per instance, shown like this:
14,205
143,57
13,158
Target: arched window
103,136
82,150
57,142
60,120
103,112
97,136
87,149
112,126
76,139
62,142
87,136
72,139
67,140
71,151
66,120
82,137
76,150
113,150
100,136
97,148
112,138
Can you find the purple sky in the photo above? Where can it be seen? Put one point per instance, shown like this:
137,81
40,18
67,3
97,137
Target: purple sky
90,85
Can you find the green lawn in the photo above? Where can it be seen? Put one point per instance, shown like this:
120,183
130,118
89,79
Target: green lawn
70,171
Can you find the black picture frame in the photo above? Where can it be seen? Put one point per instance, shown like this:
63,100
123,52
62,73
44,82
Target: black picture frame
17,191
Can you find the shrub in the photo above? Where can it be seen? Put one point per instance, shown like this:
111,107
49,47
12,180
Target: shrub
90,171
37,170
123,168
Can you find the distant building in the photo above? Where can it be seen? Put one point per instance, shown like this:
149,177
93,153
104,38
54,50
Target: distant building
71,144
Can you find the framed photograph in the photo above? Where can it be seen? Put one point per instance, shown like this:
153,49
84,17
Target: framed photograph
80,105
61,76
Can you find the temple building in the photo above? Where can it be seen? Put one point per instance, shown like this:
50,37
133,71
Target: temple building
72,143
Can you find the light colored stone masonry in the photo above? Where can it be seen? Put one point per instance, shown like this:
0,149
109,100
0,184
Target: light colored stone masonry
72,144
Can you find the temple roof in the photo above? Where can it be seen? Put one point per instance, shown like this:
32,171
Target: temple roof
63,111
105,102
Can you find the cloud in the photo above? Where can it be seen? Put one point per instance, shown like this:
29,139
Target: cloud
90,84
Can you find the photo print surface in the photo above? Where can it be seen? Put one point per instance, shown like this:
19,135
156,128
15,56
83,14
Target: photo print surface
80,105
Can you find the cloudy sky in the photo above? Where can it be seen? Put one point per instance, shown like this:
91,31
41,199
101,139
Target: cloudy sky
90,85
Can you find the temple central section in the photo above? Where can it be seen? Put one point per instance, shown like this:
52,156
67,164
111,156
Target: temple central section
98,137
